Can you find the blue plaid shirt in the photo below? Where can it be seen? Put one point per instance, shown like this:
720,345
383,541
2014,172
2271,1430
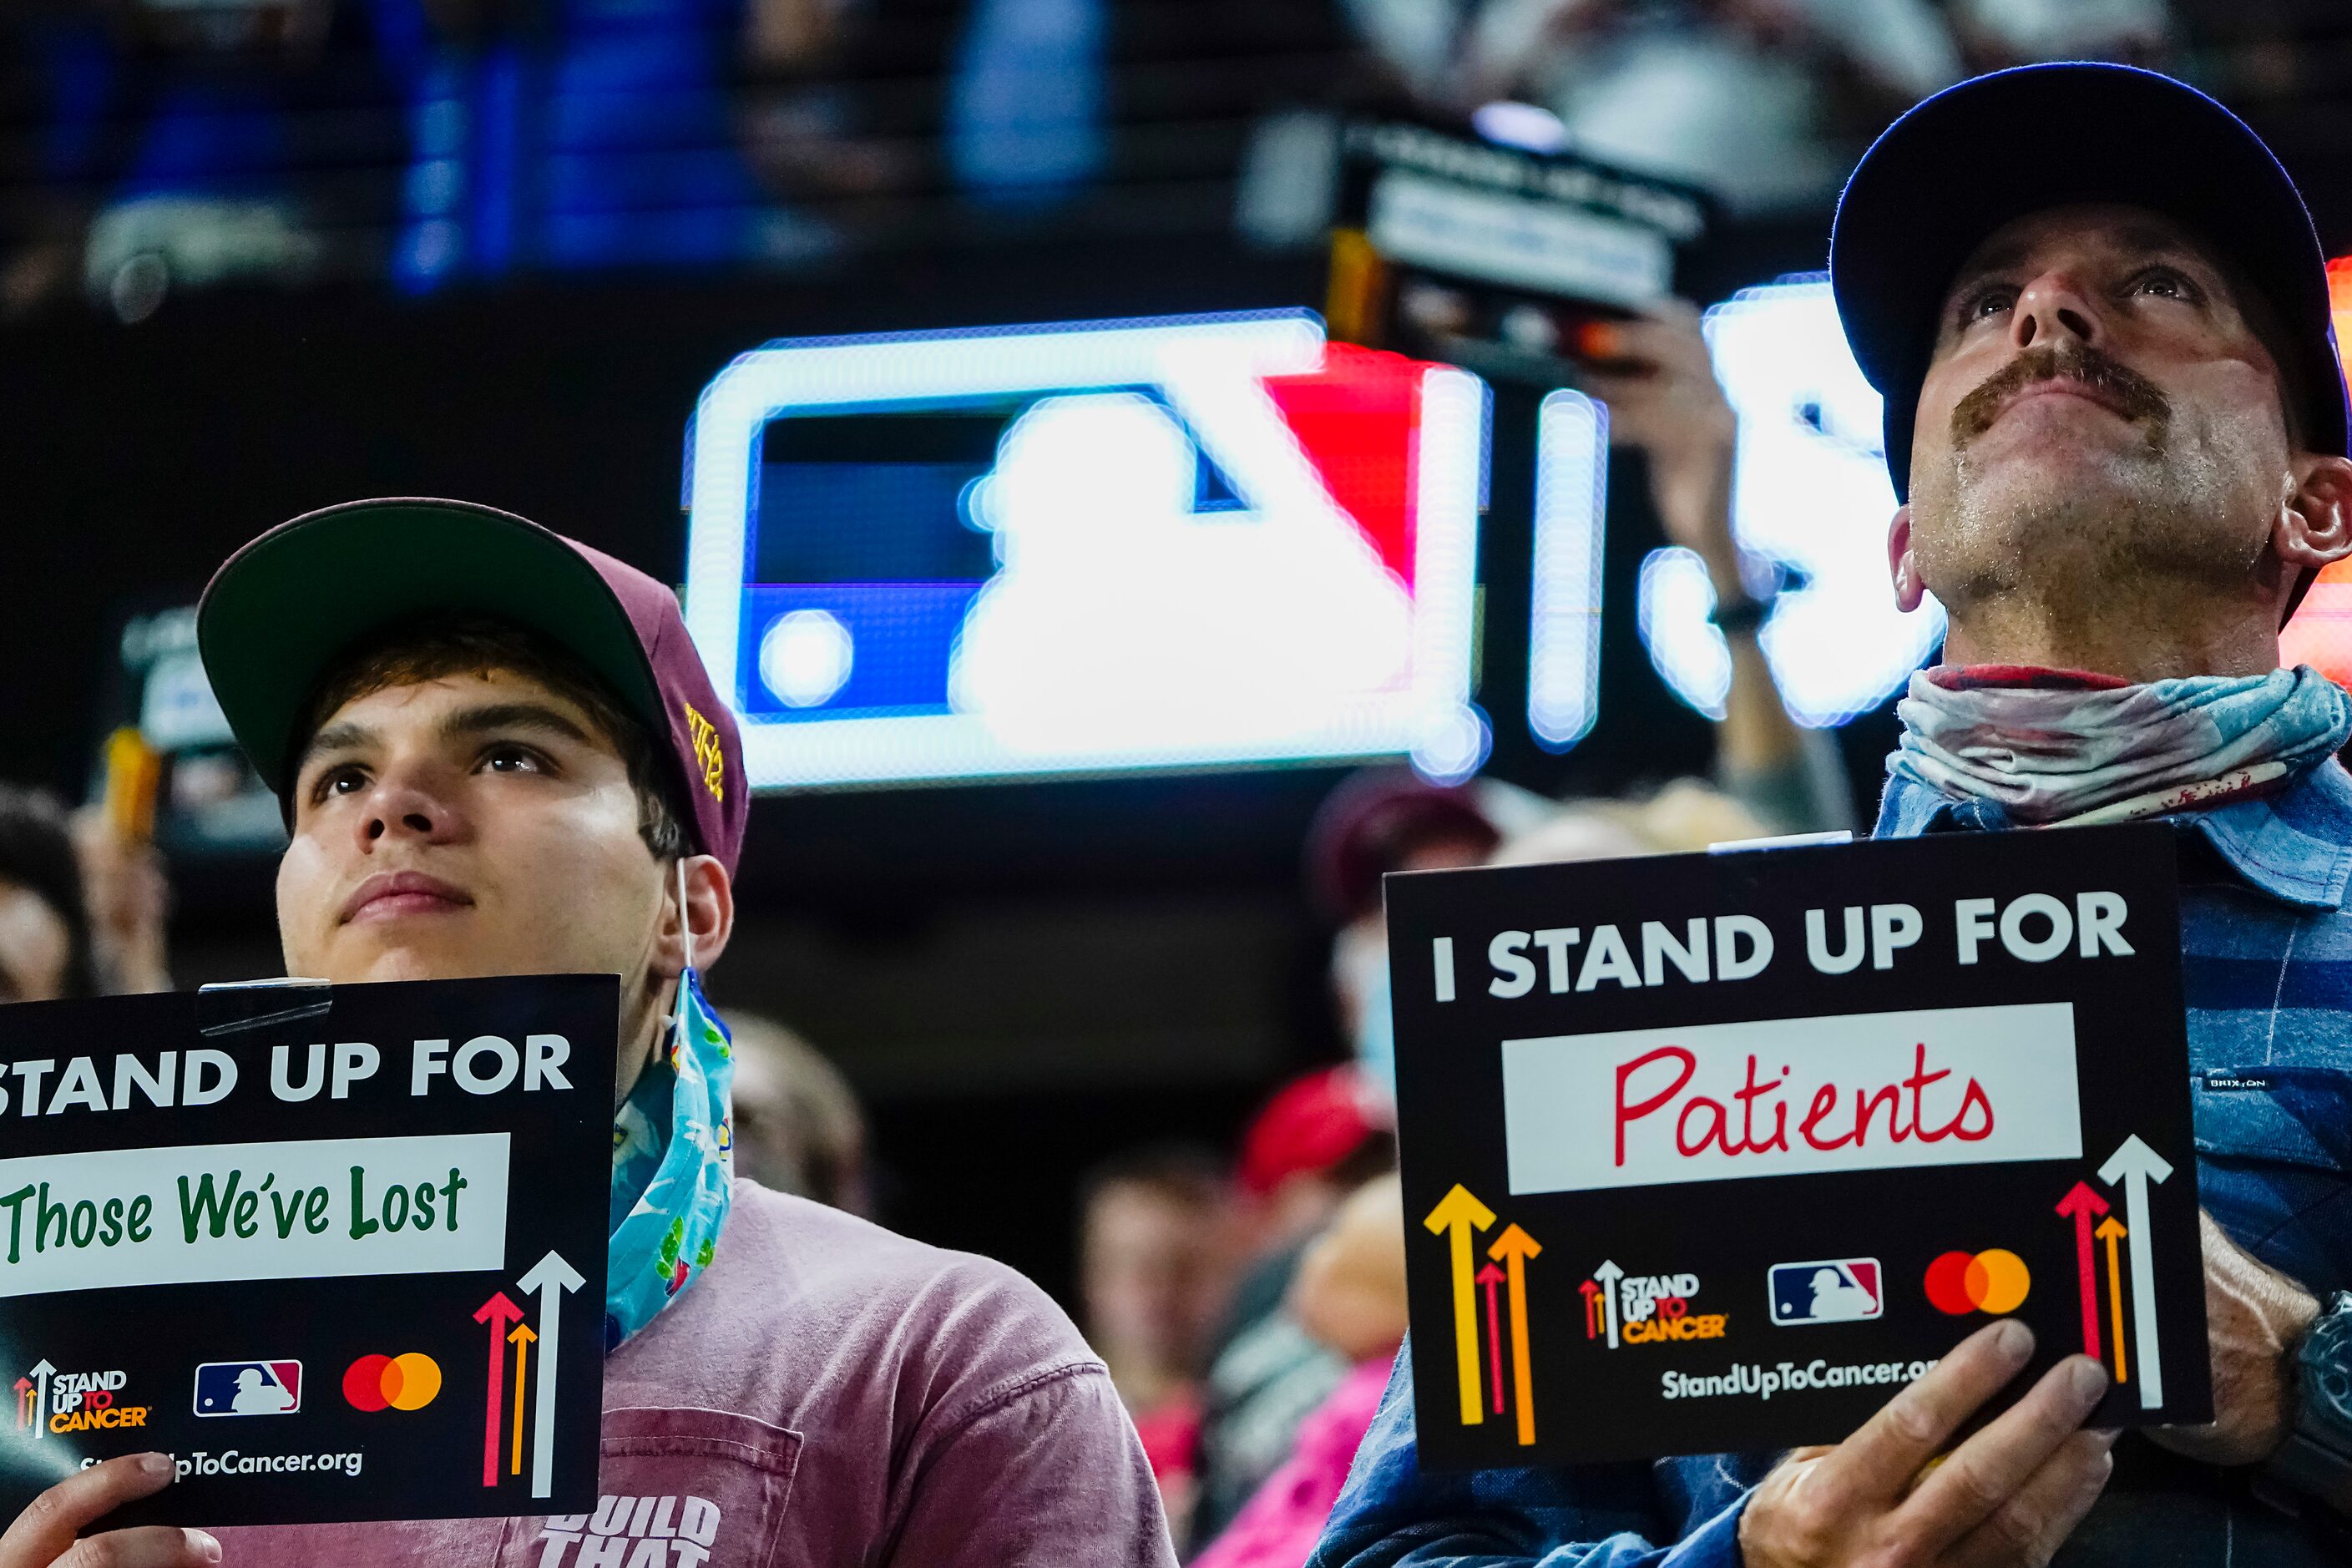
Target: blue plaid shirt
2266,946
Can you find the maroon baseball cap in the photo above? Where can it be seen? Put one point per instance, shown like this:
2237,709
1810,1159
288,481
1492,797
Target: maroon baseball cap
1371,822
281,612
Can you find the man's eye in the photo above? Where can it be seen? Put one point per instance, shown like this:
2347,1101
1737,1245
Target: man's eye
1985,302
513,760
344,780
2165,284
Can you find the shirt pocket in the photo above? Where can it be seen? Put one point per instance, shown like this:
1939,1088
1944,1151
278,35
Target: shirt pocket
677,1488
2287,1114
2276,1165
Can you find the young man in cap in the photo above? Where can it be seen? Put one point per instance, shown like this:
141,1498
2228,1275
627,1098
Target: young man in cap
499,754
2099,316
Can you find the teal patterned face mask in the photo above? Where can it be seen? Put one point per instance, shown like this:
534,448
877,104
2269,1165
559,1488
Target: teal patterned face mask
672,1168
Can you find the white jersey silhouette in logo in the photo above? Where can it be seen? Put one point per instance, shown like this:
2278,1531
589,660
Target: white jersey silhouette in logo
1836,1301
1122,614
259,1396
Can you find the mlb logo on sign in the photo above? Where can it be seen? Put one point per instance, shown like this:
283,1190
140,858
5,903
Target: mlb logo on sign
248,1388
1094,547
1831,1290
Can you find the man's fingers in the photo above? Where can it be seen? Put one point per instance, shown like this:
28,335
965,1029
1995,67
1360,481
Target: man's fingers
2032,1525
1661,345
1639,406
1877,1463
1636,414
1985,1473
46,1530
1673,311
153,1546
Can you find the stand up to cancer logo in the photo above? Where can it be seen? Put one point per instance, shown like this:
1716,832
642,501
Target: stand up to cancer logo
1646,1308
50,1401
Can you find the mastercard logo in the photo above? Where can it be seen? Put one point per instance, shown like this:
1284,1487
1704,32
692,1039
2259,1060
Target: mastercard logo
1994,1280
393,1382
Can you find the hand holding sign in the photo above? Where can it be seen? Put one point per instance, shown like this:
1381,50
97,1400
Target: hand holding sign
44,1535
2009,1494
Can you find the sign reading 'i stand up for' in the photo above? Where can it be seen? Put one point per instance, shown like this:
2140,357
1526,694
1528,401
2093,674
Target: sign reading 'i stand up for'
1716,1151
337,1251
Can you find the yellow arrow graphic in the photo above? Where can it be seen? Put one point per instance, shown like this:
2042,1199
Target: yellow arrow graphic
1512,1249
1458,1212
2110,1231
520,1339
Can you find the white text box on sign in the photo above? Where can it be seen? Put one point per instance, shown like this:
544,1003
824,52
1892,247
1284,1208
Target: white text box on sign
1785,1097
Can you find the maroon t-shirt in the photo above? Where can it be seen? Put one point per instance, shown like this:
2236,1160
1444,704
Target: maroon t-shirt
827,1394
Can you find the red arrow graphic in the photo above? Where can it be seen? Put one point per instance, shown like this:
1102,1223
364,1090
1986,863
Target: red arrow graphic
2085,1206
497,1311
1491,1277
1592,1309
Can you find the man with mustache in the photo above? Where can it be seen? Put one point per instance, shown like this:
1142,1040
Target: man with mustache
498,754
2099,316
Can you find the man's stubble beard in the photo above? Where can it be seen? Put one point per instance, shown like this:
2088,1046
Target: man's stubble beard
2159,523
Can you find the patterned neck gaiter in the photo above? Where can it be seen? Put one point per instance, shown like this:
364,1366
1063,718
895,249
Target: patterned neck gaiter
2057,747
672,1168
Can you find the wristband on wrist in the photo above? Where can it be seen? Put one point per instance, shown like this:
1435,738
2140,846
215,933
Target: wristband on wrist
1742,613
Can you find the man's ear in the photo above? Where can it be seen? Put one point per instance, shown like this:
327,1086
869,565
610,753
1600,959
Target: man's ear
2313,526
1910,593
709,916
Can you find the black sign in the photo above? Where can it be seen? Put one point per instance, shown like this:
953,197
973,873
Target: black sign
1453,245
337,1251
1709,1153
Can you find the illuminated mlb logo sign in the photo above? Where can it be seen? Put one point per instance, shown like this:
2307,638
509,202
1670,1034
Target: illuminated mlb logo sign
1183,542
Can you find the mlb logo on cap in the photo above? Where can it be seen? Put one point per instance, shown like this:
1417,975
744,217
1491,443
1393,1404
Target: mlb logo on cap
248,1388
1828,1290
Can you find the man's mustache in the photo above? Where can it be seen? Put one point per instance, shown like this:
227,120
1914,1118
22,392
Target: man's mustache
2133,396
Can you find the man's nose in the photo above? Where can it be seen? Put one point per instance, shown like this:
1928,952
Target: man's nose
2053,310
400,807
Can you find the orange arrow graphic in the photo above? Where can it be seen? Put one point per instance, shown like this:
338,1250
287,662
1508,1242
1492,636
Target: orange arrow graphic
1458,1212
1512,1249
2110,1231
520,1339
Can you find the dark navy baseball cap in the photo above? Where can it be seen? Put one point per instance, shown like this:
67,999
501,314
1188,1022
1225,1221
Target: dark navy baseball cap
1960,164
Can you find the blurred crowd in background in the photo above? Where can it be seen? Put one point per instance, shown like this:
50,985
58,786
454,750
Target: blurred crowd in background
150,142
1245,1286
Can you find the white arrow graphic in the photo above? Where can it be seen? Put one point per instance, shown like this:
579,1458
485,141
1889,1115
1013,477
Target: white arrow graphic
550,1278
1607,1275
41,1372
2135,1165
